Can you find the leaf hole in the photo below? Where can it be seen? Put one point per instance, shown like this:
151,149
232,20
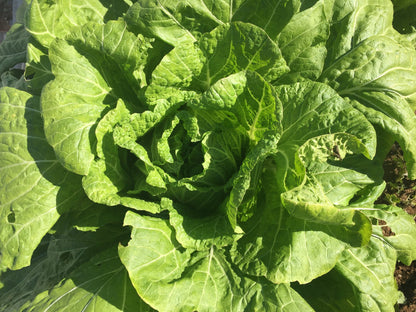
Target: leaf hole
387,231
11,218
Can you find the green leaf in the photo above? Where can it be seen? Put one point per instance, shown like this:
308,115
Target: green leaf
312,109
84,89
38,67
355,21
171,72
176,22
161,271
247,96
200,233
283,248
47,20
374,65
303,42
62,259
403,230
13,48
345,290
119,55
270,16
107,181
377,292
35,189
71,105
380,75
238,46
102,284
393,119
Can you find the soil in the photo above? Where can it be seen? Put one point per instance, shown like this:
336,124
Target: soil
401,191
6,15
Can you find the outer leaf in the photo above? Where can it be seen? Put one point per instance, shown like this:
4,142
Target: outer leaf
200,233
281,298
71,105
377,292
303,42
272,16
34,187
56,258
403,227
177,21
331,292
102,284
394,121
282,248
38,67
238,46
345,290
84,88
312,109
47,20
163,274
119,55
361,70
13,48
250,98
355,21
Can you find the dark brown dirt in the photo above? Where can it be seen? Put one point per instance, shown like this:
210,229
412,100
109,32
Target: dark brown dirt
401,191
6,14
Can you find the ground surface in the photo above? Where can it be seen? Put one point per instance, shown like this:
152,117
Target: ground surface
6,14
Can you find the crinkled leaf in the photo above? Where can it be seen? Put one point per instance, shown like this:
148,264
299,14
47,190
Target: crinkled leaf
245,184
107,181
